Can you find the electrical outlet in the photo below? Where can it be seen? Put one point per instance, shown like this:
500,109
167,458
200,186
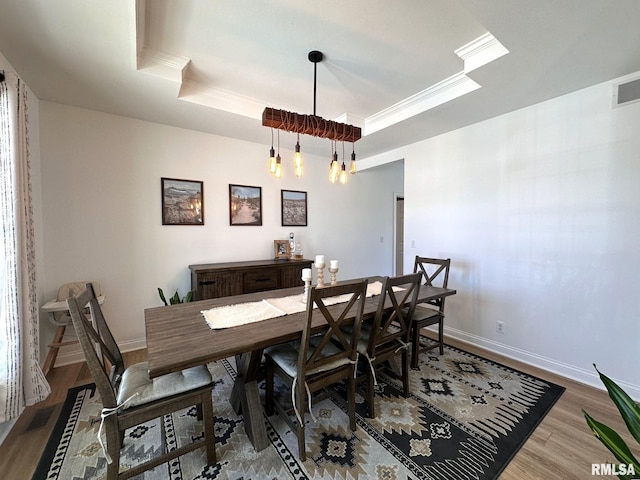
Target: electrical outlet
500,327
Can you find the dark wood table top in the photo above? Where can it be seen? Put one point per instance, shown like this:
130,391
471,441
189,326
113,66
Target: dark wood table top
178,336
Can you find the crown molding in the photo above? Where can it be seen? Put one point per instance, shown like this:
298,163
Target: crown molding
453,87
203,94
481,51
474,54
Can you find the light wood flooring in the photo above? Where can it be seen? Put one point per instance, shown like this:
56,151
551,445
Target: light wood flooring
562,446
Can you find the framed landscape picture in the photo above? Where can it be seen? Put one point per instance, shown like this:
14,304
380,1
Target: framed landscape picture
182,202
294,208
245,205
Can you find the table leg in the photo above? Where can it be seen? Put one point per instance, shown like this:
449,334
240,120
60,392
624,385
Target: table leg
245,398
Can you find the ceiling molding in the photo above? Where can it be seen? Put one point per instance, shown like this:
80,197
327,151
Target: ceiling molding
204,94
474,54
442,92
479,52
163,64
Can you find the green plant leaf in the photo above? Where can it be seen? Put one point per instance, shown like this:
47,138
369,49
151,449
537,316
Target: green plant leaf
175,299
189,297
613,442
161,293
628,408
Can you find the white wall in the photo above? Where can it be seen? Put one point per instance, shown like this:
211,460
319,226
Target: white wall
539,211
102,212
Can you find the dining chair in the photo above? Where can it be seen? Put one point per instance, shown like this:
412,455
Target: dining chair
321,357
387,338
129,397
435,272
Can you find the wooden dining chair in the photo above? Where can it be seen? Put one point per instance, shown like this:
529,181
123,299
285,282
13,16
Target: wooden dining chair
323,355
387,337
435,272
129,397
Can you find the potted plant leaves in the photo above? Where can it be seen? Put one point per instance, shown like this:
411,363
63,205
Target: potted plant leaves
175,299
630,412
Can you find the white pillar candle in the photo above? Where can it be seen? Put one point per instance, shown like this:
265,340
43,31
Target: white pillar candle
319,261
306,274
333,264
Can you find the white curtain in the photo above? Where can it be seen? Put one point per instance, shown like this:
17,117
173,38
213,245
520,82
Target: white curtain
22,382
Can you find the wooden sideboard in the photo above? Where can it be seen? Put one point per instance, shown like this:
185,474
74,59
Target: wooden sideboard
214,280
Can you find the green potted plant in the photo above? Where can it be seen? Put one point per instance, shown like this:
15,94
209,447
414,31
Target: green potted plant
175,299
630,412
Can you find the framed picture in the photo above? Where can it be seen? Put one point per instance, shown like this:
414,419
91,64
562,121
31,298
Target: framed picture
245,205
182,202
281,249
294,208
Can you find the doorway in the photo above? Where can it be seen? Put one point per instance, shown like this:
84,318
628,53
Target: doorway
398,236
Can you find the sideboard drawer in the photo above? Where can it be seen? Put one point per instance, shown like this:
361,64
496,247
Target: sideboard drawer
260,280
215,285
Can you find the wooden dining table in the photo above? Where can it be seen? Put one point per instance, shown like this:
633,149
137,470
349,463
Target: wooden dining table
178,337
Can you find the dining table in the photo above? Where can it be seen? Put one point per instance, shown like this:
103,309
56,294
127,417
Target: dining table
179,337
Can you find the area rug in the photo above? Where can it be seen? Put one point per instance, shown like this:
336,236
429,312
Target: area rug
465,419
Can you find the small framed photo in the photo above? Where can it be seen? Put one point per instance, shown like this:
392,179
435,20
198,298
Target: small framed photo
294,208
245,205
281,249
182,202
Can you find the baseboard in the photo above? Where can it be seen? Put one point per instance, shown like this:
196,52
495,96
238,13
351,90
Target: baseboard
76,355
5,428
563,369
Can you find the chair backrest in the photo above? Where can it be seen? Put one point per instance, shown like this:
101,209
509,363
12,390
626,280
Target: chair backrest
326,326
389,326
101,352
69,290
435,272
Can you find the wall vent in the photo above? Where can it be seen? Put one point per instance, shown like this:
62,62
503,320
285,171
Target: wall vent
626,92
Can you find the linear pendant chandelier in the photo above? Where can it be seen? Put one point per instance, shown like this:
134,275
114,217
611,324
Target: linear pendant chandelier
315,126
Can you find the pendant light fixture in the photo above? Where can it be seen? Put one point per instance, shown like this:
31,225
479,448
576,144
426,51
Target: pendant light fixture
297,159
310,125
278,170
343,170
334,168
272,157
352,166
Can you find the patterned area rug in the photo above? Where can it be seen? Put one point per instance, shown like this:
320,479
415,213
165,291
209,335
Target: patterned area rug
465,419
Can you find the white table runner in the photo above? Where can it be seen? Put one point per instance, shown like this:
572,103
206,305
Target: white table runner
243,313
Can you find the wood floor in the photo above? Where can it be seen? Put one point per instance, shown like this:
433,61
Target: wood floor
562,446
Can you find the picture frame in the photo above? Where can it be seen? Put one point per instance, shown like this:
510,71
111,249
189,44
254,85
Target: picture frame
245,205
182,201
293,206
281,249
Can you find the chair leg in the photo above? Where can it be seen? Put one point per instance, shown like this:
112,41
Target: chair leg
370,394
114,445
415,345
301,405
405,372
206,407
351,397
441,335
268,389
